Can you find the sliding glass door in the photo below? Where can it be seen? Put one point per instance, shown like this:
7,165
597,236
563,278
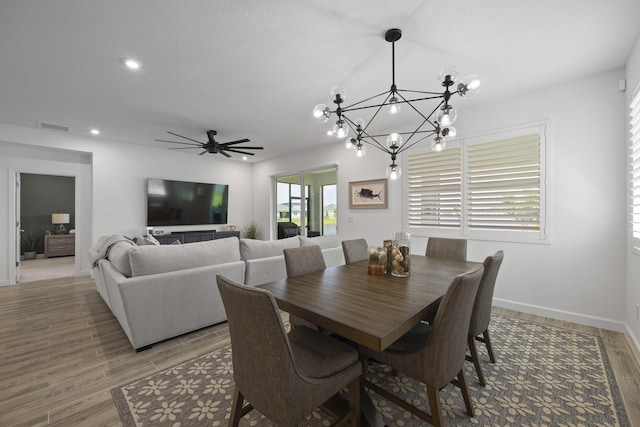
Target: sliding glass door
306,203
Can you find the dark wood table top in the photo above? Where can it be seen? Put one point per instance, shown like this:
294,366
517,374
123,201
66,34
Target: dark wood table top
373,311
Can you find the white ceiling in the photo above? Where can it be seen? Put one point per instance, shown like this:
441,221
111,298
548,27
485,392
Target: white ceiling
255,69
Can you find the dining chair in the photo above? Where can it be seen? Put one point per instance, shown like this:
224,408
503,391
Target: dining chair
434,354
303,260
481,315
299,261
440,247
355,250
284,376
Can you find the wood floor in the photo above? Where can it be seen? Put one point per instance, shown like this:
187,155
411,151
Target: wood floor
61,351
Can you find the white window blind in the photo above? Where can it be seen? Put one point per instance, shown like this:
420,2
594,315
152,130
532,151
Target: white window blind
490,186
635,171
435,189
503,191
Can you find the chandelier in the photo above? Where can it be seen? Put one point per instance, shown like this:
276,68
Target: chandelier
435,121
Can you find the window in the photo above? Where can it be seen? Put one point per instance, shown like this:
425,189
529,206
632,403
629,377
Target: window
635,172
490,186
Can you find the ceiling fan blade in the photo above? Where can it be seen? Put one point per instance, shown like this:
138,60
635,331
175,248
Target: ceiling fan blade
176,142
239,141
233,150
175,134
205,151
182,148
223,153
245,148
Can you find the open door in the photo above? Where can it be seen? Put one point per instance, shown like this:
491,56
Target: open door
18,227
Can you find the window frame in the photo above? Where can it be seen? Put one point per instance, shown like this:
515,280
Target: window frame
634,157
540,237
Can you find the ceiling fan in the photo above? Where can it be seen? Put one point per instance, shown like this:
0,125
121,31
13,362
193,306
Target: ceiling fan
212,146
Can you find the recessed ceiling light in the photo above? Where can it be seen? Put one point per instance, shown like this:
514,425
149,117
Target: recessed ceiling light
132,63
95,132
244,157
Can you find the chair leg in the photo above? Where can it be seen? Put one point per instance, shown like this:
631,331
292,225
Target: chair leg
434,405
236,409
476,360
462,383
487,342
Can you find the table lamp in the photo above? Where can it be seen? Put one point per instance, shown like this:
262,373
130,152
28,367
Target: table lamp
60,219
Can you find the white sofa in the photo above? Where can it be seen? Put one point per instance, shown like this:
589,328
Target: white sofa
161,291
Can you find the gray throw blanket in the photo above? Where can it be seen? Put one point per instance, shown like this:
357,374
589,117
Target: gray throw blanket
105,246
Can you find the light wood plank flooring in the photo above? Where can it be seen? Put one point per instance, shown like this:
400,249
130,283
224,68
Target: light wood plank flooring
61,351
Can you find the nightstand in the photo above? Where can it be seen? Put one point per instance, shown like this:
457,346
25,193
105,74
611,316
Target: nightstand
59,245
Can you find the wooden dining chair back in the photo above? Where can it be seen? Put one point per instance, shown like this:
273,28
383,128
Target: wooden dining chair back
303,260
355,250
283,376
440,247
481,316
435,354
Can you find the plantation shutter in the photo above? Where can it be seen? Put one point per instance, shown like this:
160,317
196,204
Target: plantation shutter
435,188
635,171
503,184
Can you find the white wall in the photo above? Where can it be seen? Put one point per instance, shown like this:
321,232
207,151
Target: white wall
116,201
632,295
580,275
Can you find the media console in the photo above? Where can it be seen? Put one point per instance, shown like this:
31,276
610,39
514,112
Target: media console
195,236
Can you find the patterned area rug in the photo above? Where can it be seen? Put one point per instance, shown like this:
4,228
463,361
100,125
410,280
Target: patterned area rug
544,376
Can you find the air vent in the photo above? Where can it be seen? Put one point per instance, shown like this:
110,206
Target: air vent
51,126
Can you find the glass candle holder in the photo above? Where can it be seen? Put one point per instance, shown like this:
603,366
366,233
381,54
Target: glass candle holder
377,260
401,254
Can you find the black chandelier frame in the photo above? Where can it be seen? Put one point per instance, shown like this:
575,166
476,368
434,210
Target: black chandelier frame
425,129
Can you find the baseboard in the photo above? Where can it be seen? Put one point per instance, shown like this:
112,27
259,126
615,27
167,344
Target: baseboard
593,321
634,341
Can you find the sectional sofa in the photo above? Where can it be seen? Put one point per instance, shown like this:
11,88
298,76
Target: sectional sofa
161,291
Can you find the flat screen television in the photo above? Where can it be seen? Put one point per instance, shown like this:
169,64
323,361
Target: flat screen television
186,203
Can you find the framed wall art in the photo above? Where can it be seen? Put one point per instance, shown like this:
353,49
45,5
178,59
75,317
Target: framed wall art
370,194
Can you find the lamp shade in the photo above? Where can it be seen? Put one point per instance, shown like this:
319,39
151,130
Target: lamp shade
60,218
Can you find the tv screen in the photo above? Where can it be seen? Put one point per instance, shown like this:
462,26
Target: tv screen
186,203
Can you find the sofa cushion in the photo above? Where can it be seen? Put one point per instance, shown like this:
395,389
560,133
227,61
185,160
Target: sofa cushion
252,249
118,255
325,242
153,259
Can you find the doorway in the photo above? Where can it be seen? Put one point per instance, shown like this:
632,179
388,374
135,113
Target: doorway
306,203
45,206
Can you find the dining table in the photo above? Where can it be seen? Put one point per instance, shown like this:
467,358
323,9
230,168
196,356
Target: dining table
368,310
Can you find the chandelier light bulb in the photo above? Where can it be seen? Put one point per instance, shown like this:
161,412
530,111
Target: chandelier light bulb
448,70
438,144
449,133
470,86
321,113
393,171
337,91
340,129
349,143
394,140
394,106
446,115
360,150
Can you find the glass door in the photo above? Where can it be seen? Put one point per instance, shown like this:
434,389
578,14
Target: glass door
306,203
